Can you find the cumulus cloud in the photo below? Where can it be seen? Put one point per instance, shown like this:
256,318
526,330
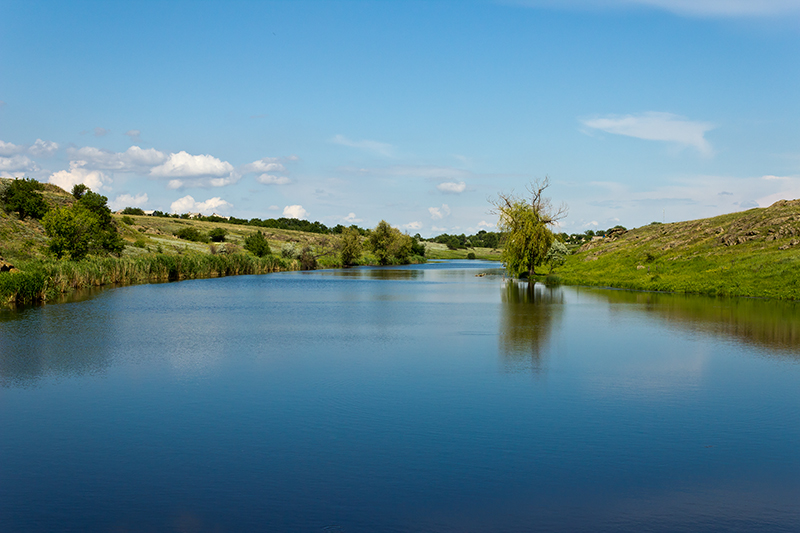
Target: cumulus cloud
269,179
43,148
184,165
9,149
689,8
413,225
452,187
351,219
484,224
438,213
656,126
17,163
66,179
377,147
127,200
294,211
267,164
187,204
134,159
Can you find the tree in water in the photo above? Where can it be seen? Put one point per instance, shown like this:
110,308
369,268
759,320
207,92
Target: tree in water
525,225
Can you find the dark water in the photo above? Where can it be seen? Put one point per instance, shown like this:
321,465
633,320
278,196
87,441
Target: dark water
414,399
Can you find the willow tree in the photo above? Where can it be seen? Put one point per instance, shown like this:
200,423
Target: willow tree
525,223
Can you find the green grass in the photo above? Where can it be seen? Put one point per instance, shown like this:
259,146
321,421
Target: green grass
753,253
435,250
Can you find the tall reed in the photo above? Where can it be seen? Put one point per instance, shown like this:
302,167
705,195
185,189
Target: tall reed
38,281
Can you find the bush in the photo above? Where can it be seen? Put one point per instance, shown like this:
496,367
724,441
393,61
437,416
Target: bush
217,235
471,255
290,250
133,211
23,197
351,246
127,220
307,259
191,234
257,244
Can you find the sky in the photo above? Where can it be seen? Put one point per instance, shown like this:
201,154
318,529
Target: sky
417,113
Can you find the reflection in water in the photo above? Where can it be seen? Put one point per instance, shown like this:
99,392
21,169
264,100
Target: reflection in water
766,323
527,317
388,273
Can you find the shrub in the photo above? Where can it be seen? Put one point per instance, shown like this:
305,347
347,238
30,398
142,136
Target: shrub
217,235
23,197
133,211
351,246
191,234
257,244
290,250
127,220
471,255
307,259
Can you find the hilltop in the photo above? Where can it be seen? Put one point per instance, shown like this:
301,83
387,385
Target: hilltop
750,253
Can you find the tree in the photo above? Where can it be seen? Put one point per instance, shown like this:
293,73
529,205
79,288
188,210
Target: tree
23,196
525,227
257,244
217,235
350,243
389,245
556,255
79,189
73,231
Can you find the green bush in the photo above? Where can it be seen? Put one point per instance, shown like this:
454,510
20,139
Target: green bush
23,197
133,211
127,220
257,244
217,235
191,234
471,255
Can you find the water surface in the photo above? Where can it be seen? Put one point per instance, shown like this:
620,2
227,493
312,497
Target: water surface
420,398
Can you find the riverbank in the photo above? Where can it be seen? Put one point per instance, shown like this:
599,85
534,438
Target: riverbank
754,253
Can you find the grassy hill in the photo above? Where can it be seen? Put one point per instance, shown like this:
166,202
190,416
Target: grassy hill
750,253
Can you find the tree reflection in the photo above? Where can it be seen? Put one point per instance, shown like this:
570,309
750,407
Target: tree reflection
528,314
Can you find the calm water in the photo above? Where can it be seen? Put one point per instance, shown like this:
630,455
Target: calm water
401,399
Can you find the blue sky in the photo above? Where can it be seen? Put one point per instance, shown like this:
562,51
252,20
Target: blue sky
413,112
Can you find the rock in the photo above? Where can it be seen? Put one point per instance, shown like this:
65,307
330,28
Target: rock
7,267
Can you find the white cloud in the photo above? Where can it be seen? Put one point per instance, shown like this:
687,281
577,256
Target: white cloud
351,219
377,147
17,163
269,179
690,8
484,224
413,225
438,213
267,164
9,149
273,208
66,179
294,211
174,184
43,148
184,165
134,159
452,187
127,200
656,126
437,228
187,204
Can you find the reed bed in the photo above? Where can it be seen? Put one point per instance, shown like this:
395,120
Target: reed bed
42,280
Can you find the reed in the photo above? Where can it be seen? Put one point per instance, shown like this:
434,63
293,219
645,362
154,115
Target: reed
39,281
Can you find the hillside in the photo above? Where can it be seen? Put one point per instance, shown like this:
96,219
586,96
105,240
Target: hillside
750,253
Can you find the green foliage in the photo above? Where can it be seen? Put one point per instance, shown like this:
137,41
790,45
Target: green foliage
290,250
525,227
350,246
74,232
23,197
133,211
307,259
389,245
217,235
257,244
191,234
471,255
78,190
127,220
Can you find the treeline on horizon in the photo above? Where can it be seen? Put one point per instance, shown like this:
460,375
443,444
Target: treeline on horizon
481,239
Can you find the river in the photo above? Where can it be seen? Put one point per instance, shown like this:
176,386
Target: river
437,397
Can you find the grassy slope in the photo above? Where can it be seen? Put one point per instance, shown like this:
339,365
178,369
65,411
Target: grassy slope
435,250
751,253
